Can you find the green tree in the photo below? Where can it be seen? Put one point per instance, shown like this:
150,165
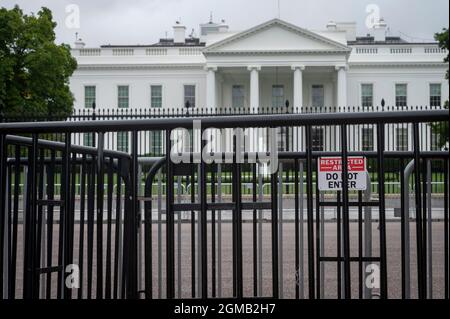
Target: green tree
441,128
34,71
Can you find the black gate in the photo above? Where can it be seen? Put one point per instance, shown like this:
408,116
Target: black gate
87,222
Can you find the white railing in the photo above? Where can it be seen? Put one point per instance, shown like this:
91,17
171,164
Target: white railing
90,52
156,51
123,51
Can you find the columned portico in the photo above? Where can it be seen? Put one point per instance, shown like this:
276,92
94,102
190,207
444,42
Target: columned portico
211,86
298,85
254,86
341,85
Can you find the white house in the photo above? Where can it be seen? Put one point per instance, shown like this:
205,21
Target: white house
273,64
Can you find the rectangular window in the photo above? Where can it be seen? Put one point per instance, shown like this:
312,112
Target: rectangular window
156,96
402,139
317,139
435,94
123,96
238,96
401,94
367,139
89,96
189,95
156,143
277,96
88,139
122,141
367,95
318,96
435,142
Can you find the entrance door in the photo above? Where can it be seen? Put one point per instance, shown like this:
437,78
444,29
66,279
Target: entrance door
317,96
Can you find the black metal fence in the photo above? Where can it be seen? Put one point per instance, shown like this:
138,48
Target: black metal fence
128,225
362,137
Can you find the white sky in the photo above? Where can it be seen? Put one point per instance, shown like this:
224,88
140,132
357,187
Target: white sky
145,21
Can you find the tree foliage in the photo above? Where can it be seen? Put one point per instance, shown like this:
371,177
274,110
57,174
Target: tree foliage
34,70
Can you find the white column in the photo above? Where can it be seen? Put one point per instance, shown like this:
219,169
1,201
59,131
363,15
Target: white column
341,86
298,85
254,86
210,87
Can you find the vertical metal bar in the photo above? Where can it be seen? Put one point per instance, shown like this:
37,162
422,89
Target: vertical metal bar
139,230
260,232
50,196
318,243
203,225
148,245
309,204
40,234
296,230
239,261
219,232
419,231
132,289
100,199
402,226
7,231
339,245
322,245
446,232
118,236
301,235
159,235
69,211
82,222
406,237
360,246
179,239
429,232
424,226
345,214
3,215
280,229
90,225
15,220
108,276
274,217
190,182
382,212
255,233
30,222
213,234
170,267
199,236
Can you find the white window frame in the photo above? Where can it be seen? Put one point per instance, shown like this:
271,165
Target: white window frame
195,97
407,93
162,95
84,95
129,95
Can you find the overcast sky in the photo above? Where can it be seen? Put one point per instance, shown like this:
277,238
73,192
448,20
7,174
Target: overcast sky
145,21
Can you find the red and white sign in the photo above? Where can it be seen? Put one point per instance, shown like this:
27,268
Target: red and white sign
330,173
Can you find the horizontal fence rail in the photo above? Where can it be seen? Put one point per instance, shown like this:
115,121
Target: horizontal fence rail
84,222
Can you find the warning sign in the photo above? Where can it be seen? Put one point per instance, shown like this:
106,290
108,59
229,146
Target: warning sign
330,173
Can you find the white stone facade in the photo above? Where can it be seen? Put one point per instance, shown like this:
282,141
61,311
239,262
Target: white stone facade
270,65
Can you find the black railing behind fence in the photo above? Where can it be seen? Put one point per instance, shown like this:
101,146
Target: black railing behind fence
180,235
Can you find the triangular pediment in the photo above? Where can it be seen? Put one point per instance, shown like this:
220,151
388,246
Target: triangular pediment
276,36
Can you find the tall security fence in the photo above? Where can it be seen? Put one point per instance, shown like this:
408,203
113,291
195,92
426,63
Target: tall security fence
81,221
362,137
